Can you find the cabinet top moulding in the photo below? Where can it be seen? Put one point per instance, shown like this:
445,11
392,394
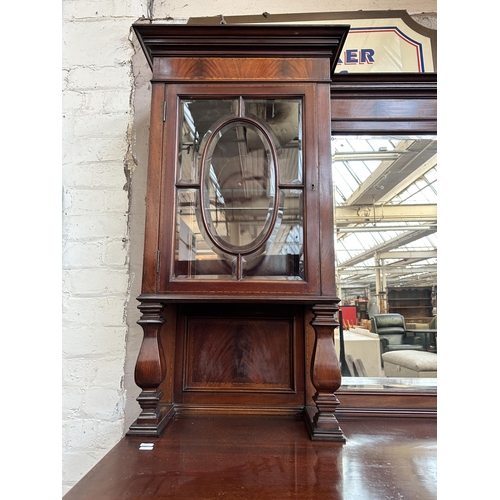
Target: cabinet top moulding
385,85
160,41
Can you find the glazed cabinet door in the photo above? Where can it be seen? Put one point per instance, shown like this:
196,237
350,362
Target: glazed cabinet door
239,194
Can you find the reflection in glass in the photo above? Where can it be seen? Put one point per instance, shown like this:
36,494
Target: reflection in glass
196,116
284,119
386,252
240,197
239,188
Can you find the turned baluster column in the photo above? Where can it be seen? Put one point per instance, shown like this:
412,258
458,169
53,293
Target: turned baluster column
325,375
150,372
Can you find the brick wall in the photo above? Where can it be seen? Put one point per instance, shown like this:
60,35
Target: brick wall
97,94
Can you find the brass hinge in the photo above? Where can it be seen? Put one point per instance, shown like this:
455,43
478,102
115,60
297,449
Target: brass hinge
164,111
158,261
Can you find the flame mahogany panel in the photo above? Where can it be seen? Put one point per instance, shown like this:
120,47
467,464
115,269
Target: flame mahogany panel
252,69
246,353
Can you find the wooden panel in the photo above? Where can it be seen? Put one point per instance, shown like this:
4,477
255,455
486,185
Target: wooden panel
372,403
383,116
243,41
168,341
224,354
380,103
385,85
239,355
154,183
384,109
237,69
326,224
383,127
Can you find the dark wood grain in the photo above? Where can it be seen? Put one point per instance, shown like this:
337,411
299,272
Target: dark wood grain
153,188
325,377
161,41
384,103
386,403
150,372
269,458
326,225
246,356
235,353
227,69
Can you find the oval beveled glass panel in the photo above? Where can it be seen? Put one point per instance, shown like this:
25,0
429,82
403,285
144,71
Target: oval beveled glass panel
239,187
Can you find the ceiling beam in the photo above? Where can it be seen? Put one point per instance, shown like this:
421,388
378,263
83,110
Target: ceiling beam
363,214
414,156
410,179
370,270
408,254
400,240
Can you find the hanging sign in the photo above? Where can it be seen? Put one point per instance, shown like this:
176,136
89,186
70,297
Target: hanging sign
378,41
385,46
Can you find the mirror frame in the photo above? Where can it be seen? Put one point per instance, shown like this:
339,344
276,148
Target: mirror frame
384,103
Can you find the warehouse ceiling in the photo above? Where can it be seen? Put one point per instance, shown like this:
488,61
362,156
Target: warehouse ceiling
385,190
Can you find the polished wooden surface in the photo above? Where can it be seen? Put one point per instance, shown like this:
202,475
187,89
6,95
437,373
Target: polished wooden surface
384,103
247,457
150,372
162,41
325,377
204,364
256,363
247,355
227,69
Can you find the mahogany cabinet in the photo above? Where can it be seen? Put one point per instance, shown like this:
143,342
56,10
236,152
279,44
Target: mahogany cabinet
238,294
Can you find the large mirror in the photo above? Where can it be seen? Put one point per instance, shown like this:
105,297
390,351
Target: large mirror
385,190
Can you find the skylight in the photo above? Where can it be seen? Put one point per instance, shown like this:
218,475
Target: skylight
385,192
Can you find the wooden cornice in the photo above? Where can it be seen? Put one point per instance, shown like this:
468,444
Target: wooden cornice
233,40
385,85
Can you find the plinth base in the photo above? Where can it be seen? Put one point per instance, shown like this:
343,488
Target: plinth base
331,432
152,429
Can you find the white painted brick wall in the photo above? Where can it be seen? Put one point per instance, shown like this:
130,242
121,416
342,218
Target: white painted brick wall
97,92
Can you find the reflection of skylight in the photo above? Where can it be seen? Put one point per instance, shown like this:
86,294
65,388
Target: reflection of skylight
423,190
385,192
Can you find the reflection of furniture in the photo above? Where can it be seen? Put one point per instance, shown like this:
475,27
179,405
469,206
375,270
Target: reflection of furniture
414,303
410,364
362,344
348,316
427,336
373,307
355,367
392,332
427,332
350,365
362,309
359,368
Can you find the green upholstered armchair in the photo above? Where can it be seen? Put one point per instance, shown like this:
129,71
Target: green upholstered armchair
391,329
